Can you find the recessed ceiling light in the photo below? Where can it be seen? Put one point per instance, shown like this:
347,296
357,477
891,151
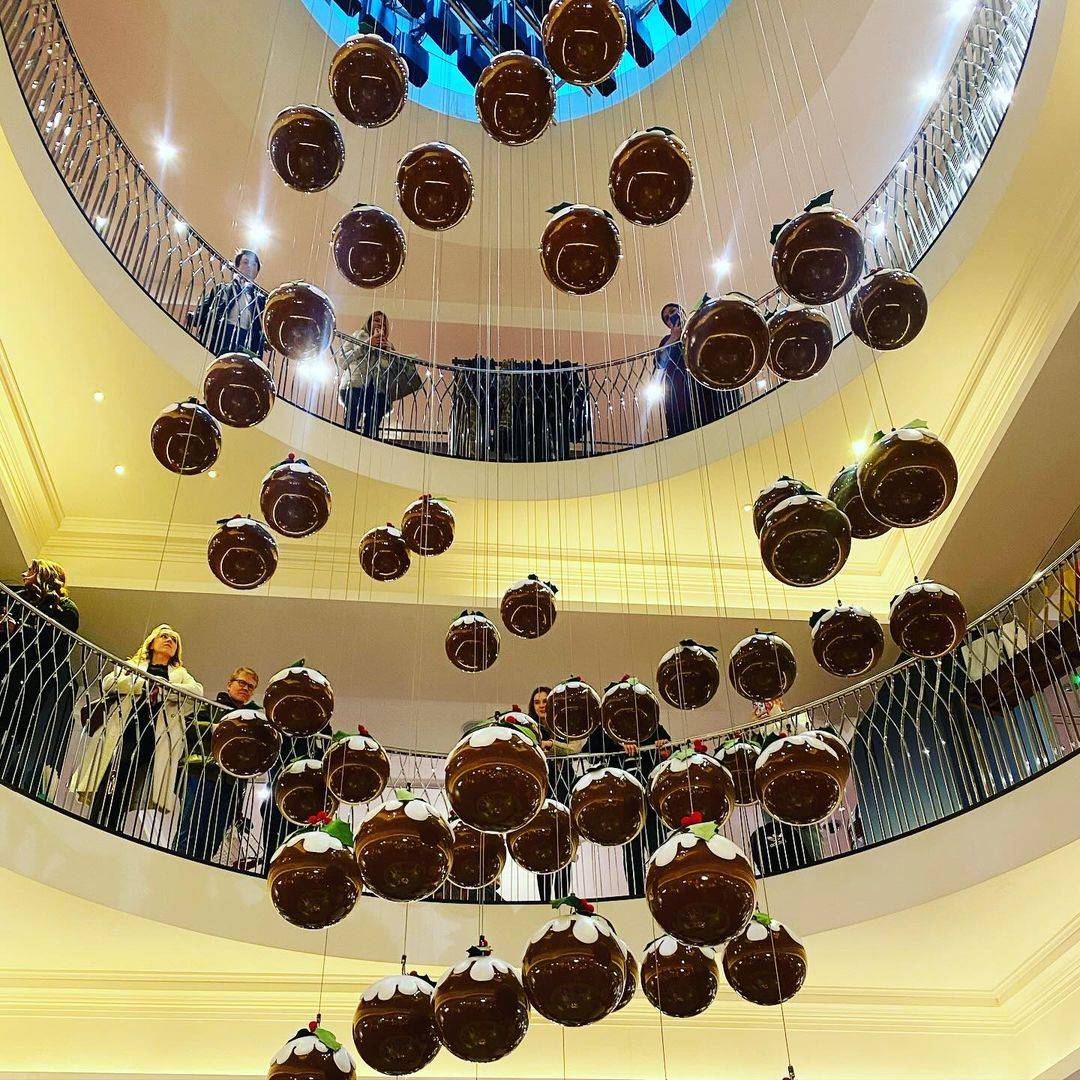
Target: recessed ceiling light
859,446
166,152
258,232
180,228
877,230
927,90
761,384
212,474
101,223
746,508
119,470
99,396
721,267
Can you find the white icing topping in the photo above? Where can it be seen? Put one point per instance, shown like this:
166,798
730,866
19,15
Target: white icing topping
735,748
359,742
819,740
543,586
307,672
596,774
386,988
390,530
314,764
417,809
468,620
316,842
840,609
923,587
757,931
678,765
912,434
419,503
296,467
639,688
573,684
668,946
696,649
775,639
240,522
793,500
719,845
493,733
586,928
246,714
480,969
190,406
778,485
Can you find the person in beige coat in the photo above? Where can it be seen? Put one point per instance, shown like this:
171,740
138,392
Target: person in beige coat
140,742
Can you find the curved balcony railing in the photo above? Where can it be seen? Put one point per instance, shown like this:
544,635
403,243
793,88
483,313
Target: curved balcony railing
474,408
928,740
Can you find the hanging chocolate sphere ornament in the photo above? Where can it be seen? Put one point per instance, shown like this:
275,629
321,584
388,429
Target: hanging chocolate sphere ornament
772,496
306,148
496,777
403,848
907,477
186,438
357,768
313,878
383,554
800,342
528,607
630,985
699,886
762,667
242,553
547,842
369,81
651,176
295,499
472,642
476,858
573,709
679,980
847,640
300,790
927,620
574,968
427,526
818,255
805,540
888,309
739,756
394,1025
690,780
298,320
299,700
848,499
584,40
244,743
515,98
688,675
481,1011
766,963
580,248
369,246
801,778
239,389
725,341
608,806
313,1053
629,711
434,186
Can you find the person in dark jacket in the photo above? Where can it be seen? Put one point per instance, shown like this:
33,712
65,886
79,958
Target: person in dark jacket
229,317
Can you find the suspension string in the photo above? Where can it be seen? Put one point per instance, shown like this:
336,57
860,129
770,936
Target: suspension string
322,970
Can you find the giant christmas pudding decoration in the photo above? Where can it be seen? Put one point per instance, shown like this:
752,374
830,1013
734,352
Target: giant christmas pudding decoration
888,309
739,756
608,806
818,255
762,667
927,619
383,554
725,341
244,743
186,438
547,843
313,1053
515,98
427,526
295,499
528,607
848,499
801,778
242,553
580,248
481,1011
477,858
573,709
306,148
691,780
313,878
679,980
434,186
772,496
630,985
472,642
800,342
496,776
629,711
766,963
394,1025
369,80
805,540
651,177
907,477
687,676
699,886
847,640
403,848
239,389
299,700
584,40
574,968
369,246
357,768
300,790
298,320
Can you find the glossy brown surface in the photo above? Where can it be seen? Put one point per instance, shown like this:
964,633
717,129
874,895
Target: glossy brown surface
244,743
805,540
315,1064
739,758
295,499
186,438
630,712
700,783
472,643
242,553
580,249
395,1035
300,790
434,186
610,809
688,676
573,709
481,1020
888,309
818,256
369,80
773,496
630,985
239,390
298,320
847,641
651,177
369,246
584,40
800,342
927,620
476,858
499,786
313,889
528,608
907,478
299,700
801,780
357,769
547,842
427,526
726,342
767,970
403,857
762,667
515,98
682,983
306,148
383,554
845,493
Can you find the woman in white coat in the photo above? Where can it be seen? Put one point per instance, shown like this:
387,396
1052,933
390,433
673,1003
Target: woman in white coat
142,738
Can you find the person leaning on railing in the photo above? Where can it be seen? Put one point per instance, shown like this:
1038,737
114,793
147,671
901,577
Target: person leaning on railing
373,376
229,317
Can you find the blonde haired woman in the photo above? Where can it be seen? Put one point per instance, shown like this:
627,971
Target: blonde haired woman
142,738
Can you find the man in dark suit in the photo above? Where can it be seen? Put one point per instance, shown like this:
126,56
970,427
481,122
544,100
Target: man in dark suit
229,316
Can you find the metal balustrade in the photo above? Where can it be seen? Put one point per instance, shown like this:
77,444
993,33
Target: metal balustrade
472,408
91,736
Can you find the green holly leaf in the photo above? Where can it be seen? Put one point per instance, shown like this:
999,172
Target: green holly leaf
559,207
338,736
916,424
777,229
820,200
706,830
662,130
340,830
404,795
685,754
328,1038
704,300
763,917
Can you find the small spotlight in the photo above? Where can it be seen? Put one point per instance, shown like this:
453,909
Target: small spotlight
746,508
166,152
180,228
971,166
101,223
877,230
212,474
119,470
315,369
258,232
927,90
762,384
654,391
960,8
99,396
1003,95
859,447
721,267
